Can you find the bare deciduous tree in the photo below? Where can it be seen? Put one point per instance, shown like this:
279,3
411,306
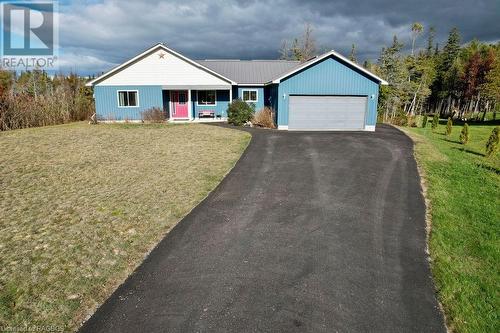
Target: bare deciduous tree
302,48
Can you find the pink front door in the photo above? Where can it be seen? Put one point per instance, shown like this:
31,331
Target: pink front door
179,104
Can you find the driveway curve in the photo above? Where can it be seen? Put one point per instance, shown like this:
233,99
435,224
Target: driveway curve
310,232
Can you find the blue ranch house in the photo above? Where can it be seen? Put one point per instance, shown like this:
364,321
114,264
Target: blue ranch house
327,92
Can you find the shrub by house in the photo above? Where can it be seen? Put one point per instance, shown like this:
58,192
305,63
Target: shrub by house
239,112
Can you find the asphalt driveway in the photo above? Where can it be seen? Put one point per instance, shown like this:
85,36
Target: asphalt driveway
310,232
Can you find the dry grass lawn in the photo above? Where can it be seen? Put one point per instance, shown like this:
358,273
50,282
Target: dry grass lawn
81,205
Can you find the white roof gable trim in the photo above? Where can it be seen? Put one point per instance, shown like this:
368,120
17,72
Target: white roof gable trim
117,69
323,56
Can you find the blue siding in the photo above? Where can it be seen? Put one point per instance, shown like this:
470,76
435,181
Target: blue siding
106,102
221,105
260,95
273,97
328,77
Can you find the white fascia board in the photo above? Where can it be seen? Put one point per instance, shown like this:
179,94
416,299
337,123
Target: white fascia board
151,49
323,56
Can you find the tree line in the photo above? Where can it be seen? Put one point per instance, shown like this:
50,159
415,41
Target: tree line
33,98
458,81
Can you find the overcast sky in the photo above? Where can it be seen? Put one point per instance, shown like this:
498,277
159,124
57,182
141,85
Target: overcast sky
96,35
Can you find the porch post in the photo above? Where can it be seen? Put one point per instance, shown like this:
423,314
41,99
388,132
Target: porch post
230,96
190,105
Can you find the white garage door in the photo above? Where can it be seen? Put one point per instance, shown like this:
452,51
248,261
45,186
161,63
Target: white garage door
327,113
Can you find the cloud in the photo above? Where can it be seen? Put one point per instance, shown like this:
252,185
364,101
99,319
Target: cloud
100,34
75,62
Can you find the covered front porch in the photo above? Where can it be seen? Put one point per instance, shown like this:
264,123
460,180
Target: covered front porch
196,103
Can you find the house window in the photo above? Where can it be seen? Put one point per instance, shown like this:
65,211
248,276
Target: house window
249,96
206,97
128,98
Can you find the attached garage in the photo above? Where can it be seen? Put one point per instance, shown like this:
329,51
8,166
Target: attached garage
328,113
326,93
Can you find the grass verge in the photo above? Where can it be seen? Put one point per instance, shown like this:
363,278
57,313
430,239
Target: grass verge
81,205
464,190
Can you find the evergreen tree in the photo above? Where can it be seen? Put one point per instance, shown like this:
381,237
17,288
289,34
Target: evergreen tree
445,82
493,142
450,50
435,121
464,134
352,56
424,121
391,66
430,42
449,126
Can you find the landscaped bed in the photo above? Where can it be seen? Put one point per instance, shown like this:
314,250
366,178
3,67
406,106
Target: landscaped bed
464,192
81,205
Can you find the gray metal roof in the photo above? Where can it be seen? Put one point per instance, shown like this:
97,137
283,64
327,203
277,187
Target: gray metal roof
250,71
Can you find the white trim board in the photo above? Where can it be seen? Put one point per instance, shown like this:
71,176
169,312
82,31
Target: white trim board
323,56
128,106
146,53
368,128
256,95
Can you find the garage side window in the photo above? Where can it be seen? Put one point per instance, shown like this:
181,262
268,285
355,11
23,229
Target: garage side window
128,98
250,96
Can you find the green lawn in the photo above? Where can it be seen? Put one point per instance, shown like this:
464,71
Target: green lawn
81,205
464,191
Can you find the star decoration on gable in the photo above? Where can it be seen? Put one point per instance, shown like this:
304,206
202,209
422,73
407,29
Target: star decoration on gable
162,55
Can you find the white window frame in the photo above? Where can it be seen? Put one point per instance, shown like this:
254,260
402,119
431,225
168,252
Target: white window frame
198,97
127,91
249,90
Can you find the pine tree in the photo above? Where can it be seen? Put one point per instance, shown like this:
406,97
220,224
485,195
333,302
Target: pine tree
464,134
424,121
493,142
392,68
449,126
447,67
430,42
352,56
451,49
435,121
